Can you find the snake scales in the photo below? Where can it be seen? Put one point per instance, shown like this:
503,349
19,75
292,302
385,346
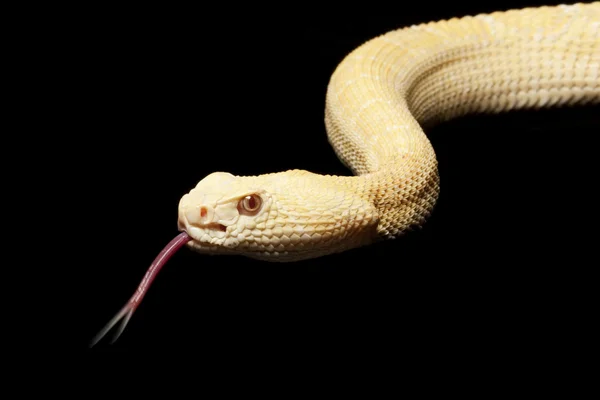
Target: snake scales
378,99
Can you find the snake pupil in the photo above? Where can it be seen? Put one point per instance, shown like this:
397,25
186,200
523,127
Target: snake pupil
250,204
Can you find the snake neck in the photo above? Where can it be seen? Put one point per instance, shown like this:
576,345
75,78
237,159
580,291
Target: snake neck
385,91
403,194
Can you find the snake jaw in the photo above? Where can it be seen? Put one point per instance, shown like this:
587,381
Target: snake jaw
212,237
207,234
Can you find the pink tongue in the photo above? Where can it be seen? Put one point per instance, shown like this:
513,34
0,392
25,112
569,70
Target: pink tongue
133,303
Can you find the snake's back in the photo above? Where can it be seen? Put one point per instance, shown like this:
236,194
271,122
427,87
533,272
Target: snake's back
385,91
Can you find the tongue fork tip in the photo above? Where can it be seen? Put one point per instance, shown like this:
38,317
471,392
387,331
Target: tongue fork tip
124,315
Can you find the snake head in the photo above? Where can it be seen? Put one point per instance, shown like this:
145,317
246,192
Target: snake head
283,216
220,207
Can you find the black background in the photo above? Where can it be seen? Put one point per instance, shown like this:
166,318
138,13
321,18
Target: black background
161,97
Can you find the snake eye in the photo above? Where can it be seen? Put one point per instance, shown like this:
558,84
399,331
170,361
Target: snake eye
250,204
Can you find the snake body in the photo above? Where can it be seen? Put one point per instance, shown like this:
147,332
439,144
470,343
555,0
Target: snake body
378,101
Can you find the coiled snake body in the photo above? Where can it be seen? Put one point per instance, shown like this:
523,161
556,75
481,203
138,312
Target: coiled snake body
378,100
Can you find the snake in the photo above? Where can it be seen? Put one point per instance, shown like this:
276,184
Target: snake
379,101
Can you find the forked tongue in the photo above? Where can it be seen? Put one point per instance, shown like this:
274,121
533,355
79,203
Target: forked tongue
125,314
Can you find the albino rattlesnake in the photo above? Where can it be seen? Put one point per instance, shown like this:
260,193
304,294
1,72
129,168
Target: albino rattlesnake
378,99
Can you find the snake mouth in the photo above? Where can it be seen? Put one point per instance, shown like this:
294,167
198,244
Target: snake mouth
211,233
217,227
